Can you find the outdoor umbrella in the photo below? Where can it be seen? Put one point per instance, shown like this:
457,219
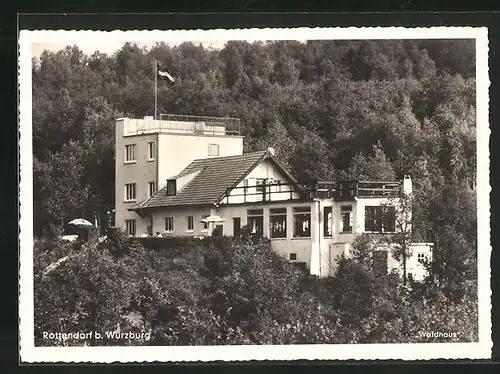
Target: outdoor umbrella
80,222
83,226
213,219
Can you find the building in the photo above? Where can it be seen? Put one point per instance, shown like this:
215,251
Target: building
149,151
309,224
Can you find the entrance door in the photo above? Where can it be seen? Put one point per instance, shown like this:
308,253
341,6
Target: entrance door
236,226
217,230
150,226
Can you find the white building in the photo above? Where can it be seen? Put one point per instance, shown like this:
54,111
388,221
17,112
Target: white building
313,225
148,151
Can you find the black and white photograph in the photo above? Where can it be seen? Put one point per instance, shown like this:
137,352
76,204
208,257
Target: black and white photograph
250,194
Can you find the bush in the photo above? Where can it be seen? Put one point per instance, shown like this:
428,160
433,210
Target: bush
90,291
222,290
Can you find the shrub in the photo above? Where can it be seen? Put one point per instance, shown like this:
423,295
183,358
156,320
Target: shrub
90,291
222,290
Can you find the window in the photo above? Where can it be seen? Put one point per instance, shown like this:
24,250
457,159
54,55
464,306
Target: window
218,230
236,226
169,224
293,256
130,153
190,223
277,222
255,219
204,225
130,192
171,187
152,188
380,218
410,274
346,215
389,219
130,226
328,221
151,150
213,149
302,222
421,257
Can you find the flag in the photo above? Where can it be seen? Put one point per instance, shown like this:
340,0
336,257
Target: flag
163,73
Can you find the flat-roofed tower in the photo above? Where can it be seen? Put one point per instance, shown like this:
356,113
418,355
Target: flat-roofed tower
149,151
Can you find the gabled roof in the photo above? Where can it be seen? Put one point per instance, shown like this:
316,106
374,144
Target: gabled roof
215,176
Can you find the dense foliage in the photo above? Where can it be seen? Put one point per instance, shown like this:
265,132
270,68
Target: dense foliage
332,110
233,291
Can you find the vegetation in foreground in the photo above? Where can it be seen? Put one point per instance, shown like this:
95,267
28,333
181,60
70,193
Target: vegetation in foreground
236,291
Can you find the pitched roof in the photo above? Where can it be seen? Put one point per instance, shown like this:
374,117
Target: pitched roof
215,176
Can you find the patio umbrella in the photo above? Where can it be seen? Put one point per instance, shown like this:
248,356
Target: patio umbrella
213,220
80,222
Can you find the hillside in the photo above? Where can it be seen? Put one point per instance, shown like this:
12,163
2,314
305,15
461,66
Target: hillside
331,109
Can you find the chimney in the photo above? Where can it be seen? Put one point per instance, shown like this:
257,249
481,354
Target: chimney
407,185
271,151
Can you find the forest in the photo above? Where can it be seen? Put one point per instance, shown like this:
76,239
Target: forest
333,110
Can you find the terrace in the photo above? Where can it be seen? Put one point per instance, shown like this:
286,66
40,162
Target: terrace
183,124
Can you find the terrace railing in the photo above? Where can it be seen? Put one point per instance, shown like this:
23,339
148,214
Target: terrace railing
347,190
184,124
204,124
339,191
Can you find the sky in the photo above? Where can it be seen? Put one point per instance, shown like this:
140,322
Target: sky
109,47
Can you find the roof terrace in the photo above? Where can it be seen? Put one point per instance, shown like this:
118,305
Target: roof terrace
182,124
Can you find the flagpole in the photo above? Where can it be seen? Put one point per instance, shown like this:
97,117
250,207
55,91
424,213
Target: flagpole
156,89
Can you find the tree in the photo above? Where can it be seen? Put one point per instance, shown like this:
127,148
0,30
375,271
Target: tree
400,241
371,167
453,214
278,138
60,188
311,159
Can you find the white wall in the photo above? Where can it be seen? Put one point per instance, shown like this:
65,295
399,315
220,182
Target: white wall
413,265
141,172
180,220
336,250
177,151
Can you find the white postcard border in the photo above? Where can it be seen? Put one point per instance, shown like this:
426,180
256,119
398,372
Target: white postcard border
424,351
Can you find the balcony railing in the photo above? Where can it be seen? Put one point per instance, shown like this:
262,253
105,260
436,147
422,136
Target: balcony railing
184,124
347,190
339,191
265,193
